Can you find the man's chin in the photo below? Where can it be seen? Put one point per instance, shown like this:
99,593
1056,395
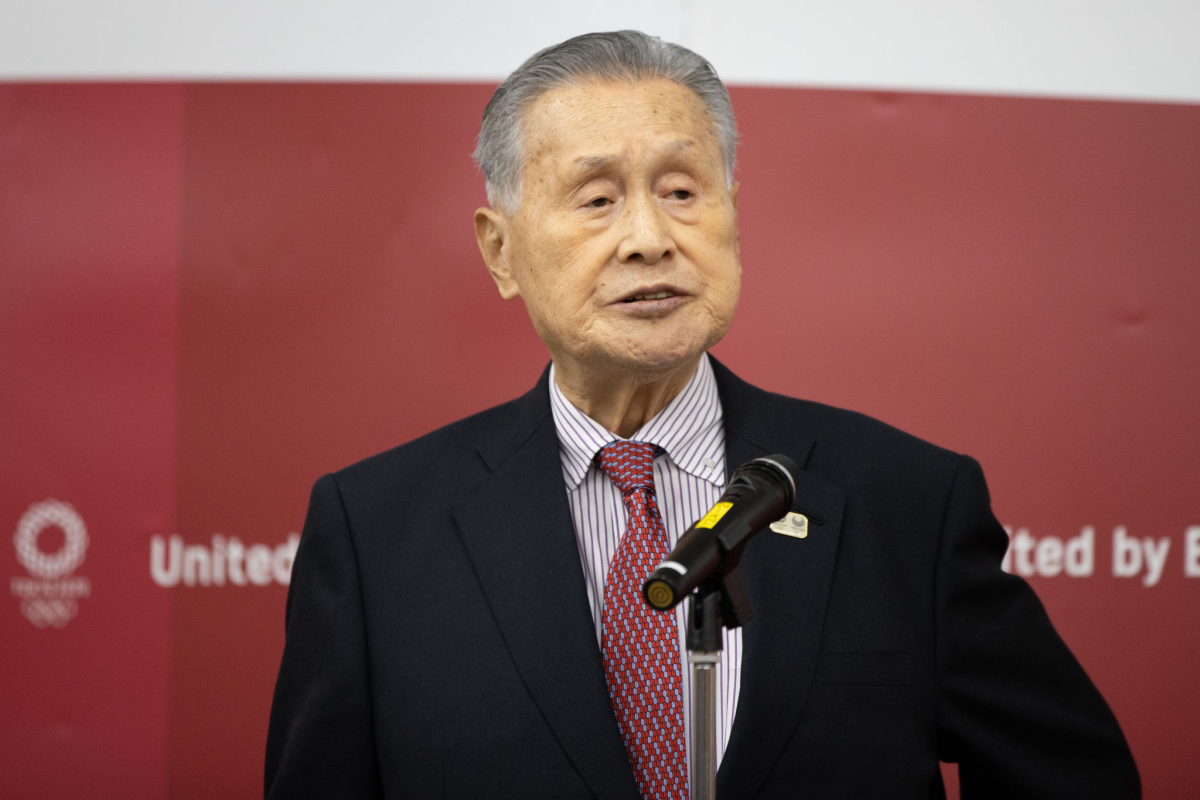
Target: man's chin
642,359
656,364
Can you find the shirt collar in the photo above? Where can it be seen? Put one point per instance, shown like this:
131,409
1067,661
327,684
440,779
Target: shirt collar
683,429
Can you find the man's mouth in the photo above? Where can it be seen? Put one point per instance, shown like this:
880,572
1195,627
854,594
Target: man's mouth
660,295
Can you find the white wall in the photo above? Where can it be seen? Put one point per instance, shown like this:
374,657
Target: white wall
1147,49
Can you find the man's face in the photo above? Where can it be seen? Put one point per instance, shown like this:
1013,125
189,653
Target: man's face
625,244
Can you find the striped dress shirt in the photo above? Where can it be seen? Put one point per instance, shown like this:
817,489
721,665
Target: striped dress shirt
688,478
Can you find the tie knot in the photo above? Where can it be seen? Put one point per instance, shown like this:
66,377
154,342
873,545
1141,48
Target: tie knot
629,465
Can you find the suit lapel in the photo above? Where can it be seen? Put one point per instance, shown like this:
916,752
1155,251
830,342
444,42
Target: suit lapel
788,581
518,532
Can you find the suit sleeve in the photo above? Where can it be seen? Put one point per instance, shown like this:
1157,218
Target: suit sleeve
1015,709
320,740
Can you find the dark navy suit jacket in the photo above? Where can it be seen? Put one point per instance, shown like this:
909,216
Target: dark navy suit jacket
440,644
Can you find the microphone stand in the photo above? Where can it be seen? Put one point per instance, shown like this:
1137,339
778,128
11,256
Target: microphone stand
704,645
719,602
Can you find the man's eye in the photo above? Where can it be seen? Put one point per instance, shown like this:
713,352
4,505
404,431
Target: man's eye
681,194
599,202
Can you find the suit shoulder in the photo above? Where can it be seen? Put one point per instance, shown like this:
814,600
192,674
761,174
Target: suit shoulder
441,453
758,412
856,425
857,441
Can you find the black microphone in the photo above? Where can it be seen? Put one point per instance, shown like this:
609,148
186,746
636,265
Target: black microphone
760,492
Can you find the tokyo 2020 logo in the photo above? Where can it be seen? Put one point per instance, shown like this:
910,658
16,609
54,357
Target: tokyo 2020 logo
50,596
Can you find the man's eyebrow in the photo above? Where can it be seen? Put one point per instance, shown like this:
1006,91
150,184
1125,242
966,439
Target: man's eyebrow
592,163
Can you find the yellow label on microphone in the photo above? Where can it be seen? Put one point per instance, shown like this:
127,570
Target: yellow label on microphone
714,516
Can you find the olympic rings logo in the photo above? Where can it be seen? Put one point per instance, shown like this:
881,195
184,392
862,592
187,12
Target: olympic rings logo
50,612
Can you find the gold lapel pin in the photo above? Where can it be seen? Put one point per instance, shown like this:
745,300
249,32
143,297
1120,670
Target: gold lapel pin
792,525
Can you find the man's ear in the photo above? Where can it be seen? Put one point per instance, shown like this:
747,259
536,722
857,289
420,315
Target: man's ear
491,233
733,194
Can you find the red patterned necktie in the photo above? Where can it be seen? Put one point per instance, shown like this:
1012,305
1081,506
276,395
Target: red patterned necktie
641,645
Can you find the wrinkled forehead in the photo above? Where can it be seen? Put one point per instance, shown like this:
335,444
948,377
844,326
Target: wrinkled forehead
593,120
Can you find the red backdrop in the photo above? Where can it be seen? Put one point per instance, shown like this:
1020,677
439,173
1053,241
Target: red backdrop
212,294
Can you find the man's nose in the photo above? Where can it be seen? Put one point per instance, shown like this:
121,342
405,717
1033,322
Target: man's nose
647,232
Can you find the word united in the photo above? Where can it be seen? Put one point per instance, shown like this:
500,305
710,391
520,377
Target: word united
227,562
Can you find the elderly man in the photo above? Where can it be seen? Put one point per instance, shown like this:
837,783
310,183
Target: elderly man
464,618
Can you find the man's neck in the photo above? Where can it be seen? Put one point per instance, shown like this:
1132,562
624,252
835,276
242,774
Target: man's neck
623,403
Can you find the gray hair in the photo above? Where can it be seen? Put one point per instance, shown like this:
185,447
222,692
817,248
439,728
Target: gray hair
616,56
